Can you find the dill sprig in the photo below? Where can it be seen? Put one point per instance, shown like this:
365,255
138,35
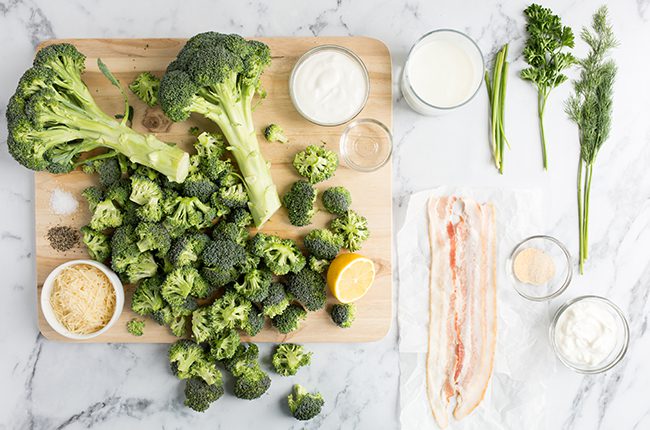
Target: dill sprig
590,107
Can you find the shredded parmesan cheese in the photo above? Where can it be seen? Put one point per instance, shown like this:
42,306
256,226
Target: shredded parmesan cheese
83,299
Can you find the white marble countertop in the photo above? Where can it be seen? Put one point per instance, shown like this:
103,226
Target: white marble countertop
48,385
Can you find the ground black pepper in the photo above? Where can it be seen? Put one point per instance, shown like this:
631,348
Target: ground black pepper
63,237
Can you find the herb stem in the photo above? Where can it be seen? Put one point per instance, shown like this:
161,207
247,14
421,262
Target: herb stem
542,96
496,88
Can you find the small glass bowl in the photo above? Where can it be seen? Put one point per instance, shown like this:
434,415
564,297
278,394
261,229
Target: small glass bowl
304,58
366,145
614,357
561,261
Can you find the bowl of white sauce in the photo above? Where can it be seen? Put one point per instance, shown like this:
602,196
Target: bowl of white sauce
589,334
329,85
443,71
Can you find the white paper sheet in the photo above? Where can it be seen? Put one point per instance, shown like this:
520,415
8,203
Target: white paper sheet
515,398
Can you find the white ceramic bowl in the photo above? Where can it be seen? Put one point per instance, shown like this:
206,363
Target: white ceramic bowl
46,292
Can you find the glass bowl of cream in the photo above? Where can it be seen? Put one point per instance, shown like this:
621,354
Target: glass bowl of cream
329,85
540,268
589,334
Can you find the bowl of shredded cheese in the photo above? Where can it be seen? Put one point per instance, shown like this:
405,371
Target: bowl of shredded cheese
82,299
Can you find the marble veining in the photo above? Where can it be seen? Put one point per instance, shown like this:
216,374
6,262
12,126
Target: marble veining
47,385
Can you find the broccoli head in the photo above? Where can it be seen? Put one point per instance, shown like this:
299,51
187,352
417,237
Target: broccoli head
146,86
119,192
206,370
299,201
254,285
93,196
183,354
182,282
218,277
289,320
245,356
343,314
97,244
352,228
289,357
229,311
252,383
276,301
254,323
199,185
210,147
187,212
337,200
199,395
240,217
153,237
304,405
144,190
225,229
323,244
281,256
108,169
106,215
224,344
224,254
201,324
316,163
124,250
308,287
187,249
275,133
144,266
135,327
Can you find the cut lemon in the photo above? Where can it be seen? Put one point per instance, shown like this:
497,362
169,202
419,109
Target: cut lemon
350,276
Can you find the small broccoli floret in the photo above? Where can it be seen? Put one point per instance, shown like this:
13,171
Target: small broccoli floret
210,146
353,229
146,86
93,196
97,244
182,282
230,231
289,357
218,277
316,163
135,327
318,265
224,344
150,211
299,201
343,314
274,133
199,185
229,311
178,323
289,320
304,405
183,354
337,200
224,254
153,237
276,301
106,215
252,383
240,217
119,192
323,244
201,325
144,266
124,250
187,249
255,285
147,298
206,370
245,356
308,287
187,212
108,169
144,190
281,256
254,323
199,395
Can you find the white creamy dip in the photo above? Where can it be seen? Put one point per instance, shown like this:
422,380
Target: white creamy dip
329,86
587,332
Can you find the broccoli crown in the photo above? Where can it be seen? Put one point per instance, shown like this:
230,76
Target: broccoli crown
337,200
323,244
289,320
281,256
304,405
199,395
230,231
252,383
254,322
182,282
352,228
343,314
135,327
183,354
308,287
224,254
276,301
289,357
275,133
299,201
145,86
153,237
144,266
218,277
187,249
97,244
224,344
318,265
316,163
199,185
229,311
201,324
255,285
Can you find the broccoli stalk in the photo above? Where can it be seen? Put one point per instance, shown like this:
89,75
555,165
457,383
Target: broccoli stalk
217,75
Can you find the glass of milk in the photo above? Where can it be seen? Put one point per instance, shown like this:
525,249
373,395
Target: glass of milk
443,71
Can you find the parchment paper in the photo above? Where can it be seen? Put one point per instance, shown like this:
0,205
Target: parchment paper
515,398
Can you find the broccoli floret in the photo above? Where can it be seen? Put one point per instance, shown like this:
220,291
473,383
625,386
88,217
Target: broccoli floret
353,229
206,370
147,298
124,250
106,215
183,354
215,169
199,395
224,344
97,244
210,146
308,287
245,356
119,192
199,185
218,277
276,301
182,282
93,196
178,323
146,86
224,254
187,212
318,265
274,133
144,190
217,75
254,322
108,169
316,163
289,357
233,196
289,320
343,314
281,256
252,384
153,237
229,311
130,216
201,325
230,231
150,211
304,405
187,249
323,244
299,201
337,200
255,285
240,217
135,327
189,305
53,120
144,266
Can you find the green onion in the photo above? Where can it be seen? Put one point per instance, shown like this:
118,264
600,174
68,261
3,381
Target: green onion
496,89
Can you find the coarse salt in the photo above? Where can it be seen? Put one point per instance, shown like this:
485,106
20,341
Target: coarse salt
63,202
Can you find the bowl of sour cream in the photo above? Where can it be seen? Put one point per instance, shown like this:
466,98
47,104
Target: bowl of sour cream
589,334
329,85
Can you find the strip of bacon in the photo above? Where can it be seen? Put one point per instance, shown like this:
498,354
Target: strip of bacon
462,312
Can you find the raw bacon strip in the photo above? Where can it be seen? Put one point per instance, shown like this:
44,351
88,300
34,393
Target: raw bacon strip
462,313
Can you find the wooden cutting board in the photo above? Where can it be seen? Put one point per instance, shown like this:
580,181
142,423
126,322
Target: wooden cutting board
371,192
